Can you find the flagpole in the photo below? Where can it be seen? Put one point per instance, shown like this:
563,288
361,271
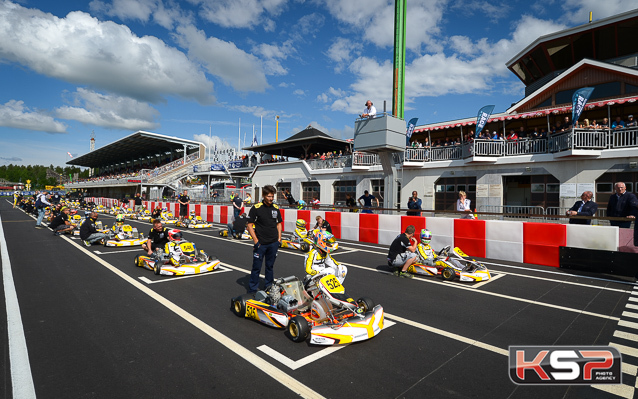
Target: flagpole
210,137
261,138
239,137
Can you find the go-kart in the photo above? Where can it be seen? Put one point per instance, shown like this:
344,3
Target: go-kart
144,215
129,213
304,244
244,236
131,237
194,222
318,309
168,218
192,261
451,264
101,209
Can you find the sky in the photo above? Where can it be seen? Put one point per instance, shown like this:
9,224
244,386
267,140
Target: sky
214,70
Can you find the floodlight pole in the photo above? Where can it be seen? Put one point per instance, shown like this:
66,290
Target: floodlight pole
398,79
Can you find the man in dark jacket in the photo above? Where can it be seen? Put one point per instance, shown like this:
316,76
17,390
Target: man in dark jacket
584,207
236,229
620,205
414,204
88,232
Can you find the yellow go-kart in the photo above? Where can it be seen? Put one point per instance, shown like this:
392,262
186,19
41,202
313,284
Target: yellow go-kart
191,261
127,236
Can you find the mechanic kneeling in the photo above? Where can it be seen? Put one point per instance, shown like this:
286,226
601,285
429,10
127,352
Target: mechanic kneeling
88,232
157,238
236,229
401,254
60,224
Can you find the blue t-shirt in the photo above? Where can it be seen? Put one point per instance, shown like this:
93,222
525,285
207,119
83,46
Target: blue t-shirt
367,201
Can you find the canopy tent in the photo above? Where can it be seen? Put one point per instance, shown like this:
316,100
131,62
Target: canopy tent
307,141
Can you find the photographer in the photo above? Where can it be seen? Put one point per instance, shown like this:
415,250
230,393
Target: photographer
414,204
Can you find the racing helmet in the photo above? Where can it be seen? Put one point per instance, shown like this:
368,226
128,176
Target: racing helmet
325,241
301,224
174,235
164,209
426,236
119,219
192,213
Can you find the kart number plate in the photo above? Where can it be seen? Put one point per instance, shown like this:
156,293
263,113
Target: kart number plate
251,313
187,247
332,283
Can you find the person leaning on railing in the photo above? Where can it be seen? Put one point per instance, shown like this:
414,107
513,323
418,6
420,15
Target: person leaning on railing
584,207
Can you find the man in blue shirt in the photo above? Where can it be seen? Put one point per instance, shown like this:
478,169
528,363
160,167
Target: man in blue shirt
414,204
618,123
367,201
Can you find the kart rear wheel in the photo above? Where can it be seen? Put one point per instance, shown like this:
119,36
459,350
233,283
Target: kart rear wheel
305,247
137,260
365,303
157,267
298,329
238,305
448,274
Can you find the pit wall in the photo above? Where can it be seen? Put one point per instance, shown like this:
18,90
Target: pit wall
526,242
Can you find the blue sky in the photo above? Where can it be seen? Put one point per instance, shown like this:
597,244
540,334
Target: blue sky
180,68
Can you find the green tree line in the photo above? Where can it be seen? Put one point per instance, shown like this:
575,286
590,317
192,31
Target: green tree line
38,174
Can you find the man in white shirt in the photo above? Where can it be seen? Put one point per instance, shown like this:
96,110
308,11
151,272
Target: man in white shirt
369,111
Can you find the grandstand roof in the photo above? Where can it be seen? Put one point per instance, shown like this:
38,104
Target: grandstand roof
307,141
138,145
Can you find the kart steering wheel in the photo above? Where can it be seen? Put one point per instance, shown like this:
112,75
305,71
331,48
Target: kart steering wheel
445,250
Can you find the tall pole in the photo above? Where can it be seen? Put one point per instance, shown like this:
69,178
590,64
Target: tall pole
261,122
398,79
277,130
239,137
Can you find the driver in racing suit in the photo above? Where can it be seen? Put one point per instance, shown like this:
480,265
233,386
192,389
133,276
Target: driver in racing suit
424,251
173,248
300,230
319,261
118,228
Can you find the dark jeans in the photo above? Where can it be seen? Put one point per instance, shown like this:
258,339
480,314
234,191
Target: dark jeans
261,252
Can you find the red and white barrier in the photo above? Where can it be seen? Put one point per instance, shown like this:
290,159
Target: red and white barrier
536,243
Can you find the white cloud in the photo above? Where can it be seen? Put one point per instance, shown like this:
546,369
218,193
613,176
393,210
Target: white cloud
83,50
342,51
113,112
235,67
241,13
212,141
322,98
299,93
165,15
492,12
273,55
254,110
440,74
14,114
375,21
345,133
577,11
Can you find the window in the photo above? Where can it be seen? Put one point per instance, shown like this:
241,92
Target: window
629,89
310,190
378,188
604,188
343,188
553,188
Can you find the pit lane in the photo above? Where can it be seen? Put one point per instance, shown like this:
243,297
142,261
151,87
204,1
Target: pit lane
91,332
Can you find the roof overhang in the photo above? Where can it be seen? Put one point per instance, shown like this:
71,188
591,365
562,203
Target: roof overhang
135,146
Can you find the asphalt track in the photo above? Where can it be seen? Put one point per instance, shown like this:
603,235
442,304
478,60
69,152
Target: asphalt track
96,326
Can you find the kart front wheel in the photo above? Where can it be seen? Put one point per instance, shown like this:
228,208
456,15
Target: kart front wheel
239,306
305,247
298,329
365,303
157,267
137,260
448,274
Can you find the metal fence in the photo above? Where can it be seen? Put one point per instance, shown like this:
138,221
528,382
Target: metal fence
513,212
330,163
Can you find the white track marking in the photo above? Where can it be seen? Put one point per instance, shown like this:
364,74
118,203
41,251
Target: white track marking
21,377
172,279
631,306
627,350
450,335
270,370
630,314
565,282
622,390
139,249
623,323
626,335
295,364
344,252
492,279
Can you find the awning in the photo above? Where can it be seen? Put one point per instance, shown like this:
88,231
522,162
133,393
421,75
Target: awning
532,114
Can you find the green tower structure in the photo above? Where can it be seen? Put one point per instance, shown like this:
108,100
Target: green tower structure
398,79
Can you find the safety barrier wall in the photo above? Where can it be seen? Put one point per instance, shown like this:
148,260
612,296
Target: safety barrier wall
536,243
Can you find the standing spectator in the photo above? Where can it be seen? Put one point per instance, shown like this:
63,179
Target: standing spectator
367,201
290,198
315,202
40,203
512,135
183,200
138,203
238,203
60,224
566,126
463,205
620,205
414,204
618,123
266,234
323,224
369,111
521,133
633,216
124,202
248,200
605,124
584,207
631,122
88,232
350,202
215,196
